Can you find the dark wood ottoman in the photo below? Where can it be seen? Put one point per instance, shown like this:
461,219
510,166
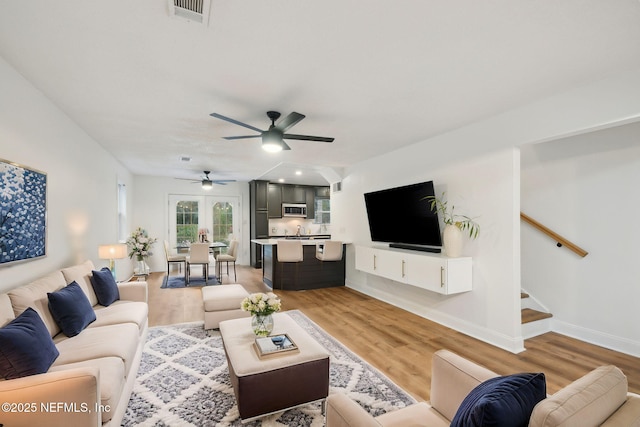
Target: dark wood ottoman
264,386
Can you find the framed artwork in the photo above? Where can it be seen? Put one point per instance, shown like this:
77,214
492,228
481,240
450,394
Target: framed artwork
23,213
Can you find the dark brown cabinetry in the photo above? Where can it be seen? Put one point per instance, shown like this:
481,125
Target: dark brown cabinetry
275,201
294,193
259,218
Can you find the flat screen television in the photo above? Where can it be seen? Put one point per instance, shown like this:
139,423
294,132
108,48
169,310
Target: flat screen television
402,217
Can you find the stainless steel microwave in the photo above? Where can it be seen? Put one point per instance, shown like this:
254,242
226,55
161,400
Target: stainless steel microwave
294,209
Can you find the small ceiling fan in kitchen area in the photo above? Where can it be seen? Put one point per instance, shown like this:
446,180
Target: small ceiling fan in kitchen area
273,138
206,182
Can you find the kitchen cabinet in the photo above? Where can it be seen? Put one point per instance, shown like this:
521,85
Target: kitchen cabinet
323,192
294,193
311,202
259,219
275,201
433,272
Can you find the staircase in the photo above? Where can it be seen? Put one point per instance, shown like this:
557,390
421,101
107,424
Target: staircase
535,319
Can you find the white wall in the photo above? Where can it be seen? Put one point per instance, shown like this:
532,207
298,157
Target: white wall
585,189
81,178
486,187
151,210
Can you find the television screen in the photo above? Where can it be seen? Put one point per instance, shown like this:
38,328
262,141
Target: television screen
403,215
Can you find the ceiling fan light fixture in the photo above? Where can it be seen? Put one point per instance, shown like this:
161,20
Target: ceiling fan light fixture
271,143
207,185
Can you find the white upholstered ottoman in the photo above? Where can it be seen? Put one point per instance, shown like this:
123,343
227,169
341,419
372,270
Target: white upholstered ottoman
222,302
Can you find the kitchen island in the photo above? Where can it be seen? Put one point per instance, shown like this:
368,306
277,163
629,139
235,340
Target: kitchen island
310,273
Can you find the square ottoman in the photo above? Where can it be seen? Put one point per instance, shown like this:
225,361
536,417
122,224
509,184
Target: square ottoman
222,302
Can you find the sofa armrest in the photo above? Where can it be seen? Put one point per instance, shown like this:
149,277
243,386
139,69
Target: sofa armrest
55,399
344,412
133,291
452,378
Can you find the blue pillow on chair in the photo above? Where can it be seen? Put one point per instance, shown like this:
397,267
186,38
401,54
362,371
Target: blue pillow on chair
502,402
105,286
26,348
71,309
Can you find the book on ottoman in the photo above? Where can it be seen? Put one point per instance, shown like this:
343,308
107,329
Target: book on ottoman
274,345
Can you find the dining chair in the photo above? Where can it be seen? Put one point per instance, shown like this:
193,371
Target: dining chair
230,256
198,255
180,259
330,250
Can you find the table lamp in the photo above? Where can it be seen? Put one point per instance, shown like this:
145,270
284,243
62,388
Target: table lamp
112,253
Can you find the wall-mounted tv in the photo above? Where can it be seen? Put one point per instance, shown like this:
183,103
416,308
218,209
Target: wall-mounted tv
402,217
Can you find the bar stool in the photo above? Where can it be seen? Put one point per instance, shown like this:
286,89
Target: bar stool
330,250
289,251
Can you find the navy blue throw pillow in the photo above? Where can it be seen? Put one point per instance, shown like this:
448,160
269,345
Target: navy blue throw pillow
26,348
71,309
502,401
105,286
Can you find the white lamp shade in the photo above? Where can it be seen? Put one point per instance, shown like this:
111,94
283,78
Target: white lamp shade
116,251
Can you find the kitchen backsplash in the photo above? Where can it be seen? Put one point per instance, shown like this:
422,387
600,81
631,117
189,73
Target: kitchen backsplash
289,226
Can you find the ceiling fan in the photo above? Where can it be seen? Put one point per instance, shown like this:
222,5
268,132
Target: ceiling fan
207,183
272,138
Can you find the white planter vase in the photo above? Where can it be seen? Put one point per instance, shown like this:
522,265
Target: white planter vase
452,237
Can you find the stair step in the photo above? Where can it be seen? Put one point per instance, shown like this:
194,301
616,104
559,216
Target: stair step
530,315
524,295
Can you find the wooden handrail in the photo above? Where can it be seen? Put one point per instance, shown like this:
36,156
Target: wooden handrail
561,241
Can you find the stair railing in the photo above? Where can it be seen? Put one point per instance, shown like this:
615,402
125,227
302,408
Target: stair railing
560,241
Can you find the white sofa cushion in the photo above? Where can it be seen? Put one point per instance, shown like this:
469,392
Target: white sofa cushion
6,311
106,341
112,380
122,312
34,295
81,273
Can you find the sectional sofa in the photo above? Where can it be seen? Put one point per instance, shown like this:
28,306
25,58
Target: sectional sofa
464,393
94,364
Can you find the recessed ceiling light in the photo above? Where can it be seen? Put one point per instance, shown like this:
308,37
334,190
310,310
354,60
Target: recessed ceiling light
298,172
281,180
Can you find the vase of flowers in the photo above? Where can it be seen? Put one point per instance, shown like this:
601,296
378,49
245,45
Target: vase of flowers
261,306
140,245
455,225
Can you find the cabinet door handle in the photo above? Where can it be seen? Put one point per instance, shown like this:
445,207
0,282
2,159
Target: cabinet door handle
441,277
374,262
402,268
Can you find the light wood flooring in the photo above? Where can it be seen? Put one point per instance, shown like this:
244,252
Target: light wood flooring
398,343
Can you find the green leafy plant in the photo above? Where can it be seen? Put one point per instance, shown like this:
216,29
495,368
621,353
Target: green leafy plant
449,217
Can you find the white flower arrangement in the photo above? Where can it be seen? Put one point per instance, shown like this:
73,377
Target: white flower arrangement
261,303
140,244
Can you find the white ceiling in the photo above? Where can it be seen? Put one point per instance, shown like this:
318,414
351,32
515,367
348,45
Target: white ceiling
375,75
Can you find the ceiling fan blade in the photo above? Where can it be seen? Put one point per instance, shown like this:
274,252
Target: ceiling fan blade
307,137
285,146
187,179
223,181
235,122
289,121
231,138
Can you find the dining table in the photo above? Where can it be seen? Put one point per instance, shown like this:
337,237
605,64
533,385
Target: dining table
214,247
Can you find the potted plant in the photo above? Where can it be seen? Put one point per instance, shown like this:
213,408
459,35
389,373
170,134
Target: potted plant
261,306
455,225
140,246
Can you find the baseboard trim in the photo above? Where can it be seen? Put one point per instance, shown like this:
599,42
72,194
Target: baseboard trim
601,339
510,344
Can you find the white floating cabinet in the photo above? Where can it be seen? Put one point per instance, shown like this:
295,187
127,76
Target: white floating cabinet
433,272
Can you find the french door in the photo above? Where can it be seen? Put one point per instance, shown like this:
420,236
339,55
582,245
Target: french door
218,217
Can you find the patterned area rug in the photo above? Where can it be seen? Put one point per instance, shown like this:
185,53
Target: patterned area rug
178,281
184,381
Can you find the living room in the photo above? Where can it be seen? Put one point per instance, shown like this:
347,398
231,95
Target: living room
568,159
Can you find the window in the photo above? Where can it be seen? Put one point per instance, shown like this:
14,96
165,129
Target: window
323,211
187,221
122,213
222,221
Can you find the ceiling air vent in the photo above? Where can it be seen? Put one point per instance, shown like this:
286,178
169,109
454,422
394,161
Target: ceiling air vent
336,187
192,10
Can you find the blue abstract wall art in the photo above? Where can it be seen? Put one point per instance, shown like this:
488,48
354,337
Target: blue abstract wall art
23,213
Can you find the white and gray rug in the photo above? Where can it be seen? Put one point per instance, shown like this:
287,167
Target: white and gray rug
184,381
